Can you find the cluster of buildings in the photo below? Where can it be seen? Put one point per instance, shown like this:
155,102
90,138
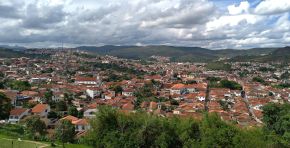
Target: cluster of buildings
176,89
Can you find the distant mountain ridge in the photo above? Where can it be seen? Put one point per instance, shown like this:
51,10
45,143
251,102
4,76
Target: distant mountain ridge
18,48
177,53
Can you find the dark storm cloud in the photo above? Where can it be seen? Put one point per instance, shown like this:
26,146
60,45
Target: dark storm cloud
9,12
43,17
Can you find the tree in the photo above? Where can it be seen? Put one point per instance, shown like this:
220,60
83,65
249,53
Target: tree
230,84
65,131
52,114
20,85
68,98
48,96
61,106
277,120
2,75
5,106
112,128
117,89
72,110
258,79
1,85
35,126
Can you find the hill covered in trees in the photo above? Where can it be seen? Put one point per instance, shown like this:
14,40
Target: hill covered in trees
191,54
9,53
277,55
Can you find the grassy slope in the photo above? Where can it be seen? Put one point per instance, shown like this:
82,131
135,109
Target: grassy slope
6,142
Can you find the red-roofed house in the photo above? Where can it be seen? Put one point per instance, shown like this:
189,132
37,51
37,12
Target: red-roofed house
41,109
80,124
17,114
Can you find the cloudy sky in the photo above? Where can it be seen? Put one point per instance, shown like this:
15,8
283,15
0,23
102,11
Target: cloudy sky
212,24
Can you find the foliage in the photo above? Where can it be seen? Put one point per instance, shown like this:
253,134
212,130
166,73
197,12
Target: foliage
52,114
65,131
225,105
35,126
5,106
266,69
68,98
112,128
277,122
118,68
118,89
61,106
260,80
230,84
285,75
282,85
48,97
19,85
213,79
14,130
72,110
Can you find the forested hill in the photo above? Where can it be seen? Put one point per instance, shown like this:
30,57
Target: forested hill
277,55
9,53
192,54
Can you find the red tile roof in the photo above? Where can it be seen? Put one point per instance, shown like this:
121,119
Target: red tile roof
18,111
70,118
80,122
39,108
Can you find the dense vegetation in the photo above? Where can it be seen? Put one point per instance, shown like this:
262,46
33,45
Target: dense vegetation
277,123
114,129
215,82
5,106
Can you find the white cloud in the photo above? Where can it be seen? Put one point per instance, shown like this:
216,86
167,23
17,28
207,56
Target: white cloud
267,7
243,7
144,22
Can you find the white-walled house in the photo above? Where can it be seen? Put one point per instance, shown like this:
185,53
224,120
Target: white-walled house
86,81
90,113
81,125
17,114
128,92
93,92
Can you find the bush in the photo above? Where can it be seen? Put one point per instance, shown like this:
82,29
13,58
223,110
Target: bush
112,128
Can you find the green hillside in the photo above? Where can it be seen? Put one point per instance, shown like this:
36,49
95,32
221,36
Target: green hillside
9,53
277,55
191,54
